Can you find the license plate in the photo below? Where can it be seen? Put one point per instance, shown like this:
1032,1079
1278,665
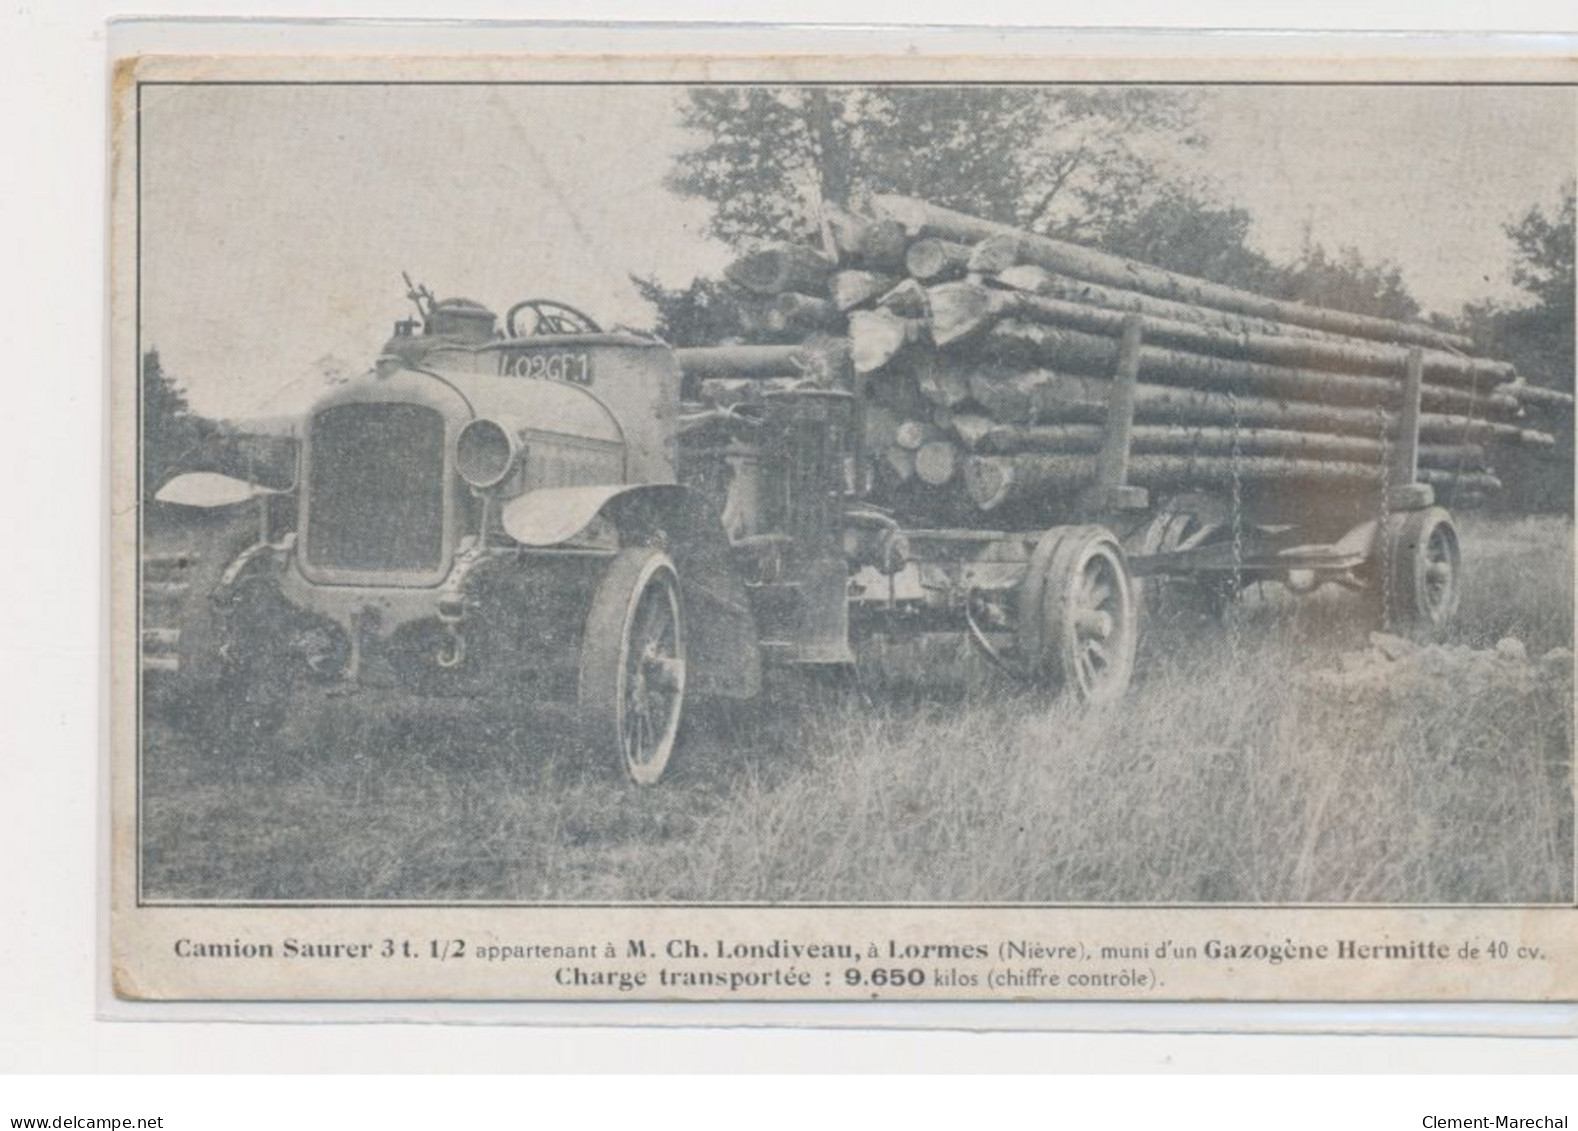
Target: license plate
573,367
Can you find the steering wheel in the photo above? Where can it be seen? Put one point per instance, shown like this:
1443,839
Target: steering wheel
549,317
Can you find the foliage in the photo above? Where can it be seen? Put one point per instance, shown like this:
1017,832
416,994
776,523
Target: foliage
1537,336
704,313
1070,162
1182,230
176,439
1545,254
1061,160
171,431
1346,281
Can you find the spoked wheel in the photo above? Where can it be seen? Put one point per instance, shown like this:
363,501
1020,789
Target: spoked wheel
632,678
1078,624
1426,569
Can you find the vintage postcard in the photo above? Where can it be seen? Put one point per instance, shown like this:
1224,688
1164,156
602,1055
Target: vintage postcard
822,528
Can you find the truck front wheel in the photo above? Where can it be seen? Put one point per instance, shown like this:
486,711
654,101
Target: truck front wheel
632,671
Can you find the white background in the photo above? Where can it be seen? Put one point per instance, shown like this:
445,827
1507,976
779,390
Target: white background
52,270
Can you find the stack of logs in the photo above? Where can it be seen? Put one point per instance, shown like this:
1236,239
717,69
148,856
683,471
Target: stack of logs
986,359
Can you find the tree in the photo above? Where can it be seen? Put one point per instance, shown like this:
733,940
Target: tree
1346,281
171,431
1066,160
1545,254
1537,335
1181,230
704,313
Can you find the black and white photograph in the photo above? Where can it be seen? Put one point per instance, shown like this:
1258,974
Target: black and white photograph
931,496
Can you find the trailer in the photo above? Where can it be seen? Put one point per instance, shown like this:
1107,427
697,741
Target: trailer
1062,604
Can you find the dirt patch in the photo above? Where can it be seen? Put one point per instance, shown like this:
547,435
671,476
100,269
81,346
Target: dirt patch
1401,665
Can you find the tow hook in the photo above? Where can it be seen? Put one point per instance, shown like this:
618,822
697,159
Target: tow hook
452,652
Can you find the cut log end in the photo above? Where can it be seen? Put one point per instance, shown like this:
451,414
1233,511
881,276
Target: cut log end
937,462
960,311
912,434
876,337
852,289
994,254
775,270
798,314
933,261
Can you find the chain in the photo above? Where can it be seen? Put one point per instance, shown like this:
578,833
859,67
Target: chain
1238,530
1383,537
1468,431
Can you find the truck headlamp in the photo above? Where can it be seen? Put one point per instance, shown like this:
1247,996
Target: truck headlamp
486,452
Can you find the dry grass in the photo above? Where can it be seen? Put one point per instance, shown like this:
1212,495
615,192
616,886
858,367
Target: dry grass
1233,772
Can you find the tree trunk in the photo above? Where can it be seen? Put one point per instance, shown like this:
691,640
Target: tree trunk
972,430
791,313
897,464
747,361
994,254
786,267
936,463
992,482
730,391
881,427
922,219
1469,457
912,434
907,300
1040,281
940,382
1323,350
932,261
1080,352
851,289
1168,439
1040,396
876,337
832,149
877,245
961,310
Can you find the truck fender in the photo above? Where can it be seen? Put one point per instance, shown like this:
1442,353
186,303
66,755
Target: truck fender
209,489
554,515
724,658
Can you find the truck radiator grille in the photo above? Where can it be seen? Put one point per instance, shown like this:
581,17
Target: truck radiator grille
376,488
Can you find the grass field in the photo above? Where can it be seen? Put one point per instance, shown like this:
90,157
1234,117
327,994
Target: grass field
1239,769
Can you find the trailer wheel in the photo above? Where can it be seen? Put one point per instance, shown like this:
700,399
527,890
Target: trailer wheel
1425,567
632,671
1078,616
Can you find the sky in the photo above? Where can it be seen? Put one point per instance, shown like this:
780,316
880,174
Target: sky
276,220
1423,176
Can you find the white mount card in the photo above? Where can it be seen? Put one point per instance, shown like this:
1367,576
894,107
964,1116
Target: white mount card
829,527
